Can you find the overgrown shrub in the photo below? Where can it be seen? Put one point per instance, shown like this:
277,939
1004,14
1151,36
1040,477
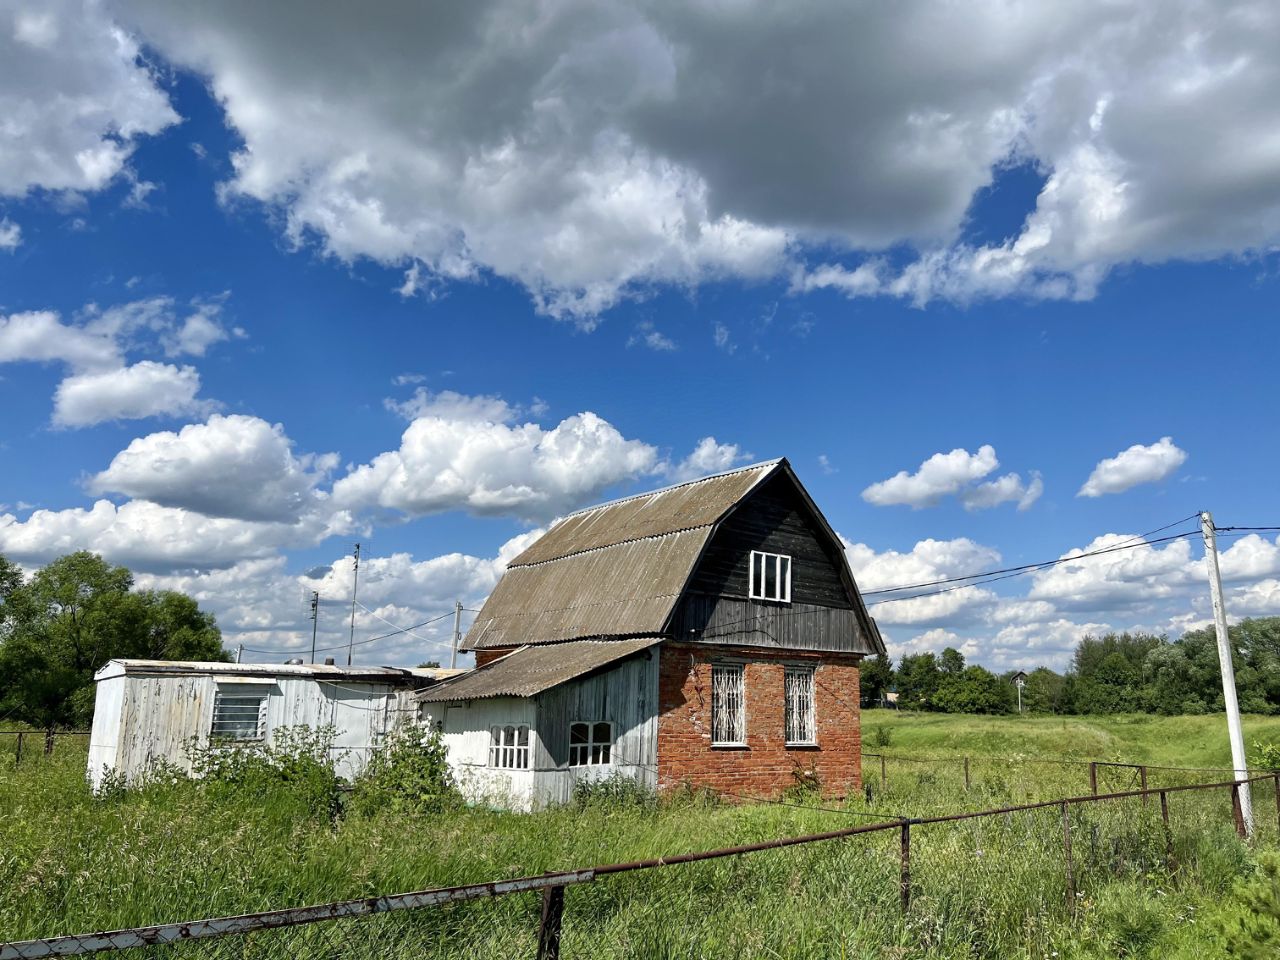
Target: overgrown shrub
1266,755
1252,931
409,774
615,790
298,759
881,736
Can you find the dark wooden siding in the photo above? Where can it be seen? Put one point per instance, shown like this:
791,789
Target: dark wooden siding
775,519
715,607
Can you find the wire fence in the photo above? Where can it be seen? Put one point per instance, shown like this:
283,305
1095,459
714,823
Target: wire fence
1121,833
36,742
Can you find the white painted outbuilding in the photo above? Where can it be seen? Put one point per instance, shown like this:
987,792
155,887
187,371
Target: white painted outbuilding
150,710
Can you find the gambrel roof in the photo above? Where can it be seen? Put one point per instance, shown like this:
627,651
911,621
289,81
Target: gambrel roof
618,569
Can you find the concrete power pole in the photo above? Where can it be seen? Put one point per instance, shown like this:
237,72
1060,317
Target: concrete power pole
355,583
315,621
239,653
1228,668
457,633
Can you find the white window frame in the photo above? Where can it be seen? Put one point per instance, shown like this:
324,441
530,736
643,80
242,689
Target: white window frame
728,705
234,709
800,720
757,586
593,751
506,751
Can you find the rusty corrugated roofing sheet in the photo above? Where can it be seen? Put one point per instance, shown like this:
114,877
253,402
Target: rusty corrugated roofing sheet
622,590
531,670
698,503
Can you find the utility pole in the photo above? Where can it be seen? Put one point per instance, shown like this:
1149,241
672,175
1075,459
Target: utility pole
355,583
239,652
1228,668
457,632
315,621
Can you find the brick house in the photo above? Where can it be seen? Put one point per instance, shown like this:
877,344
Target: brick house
708,634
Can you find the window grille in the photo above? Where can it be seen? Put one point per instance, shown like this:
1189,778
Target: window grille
509,747
728,705
769,577
799,723
239,715
590,744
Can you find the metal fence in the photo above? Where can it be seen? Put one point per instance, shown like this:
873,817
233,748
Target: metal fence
379,925
27,741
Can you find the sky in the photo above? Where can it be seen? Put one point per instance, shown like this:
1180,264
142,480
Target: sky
999,279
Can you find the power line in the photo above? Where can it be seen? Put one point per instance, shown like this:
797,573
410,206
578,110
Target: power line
343,646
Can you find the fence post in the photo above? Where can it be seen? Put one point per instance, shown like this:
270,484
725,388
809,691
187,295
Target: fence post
48,743
1168,834
1066,851
1093,777
966,774
884,776
549,927
17,759
1142,781
1237,812
904,884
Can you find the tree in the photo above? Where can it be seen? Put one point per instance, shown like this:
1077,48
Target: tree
876,678
918,678
974,690
1045,692
73,616
951,662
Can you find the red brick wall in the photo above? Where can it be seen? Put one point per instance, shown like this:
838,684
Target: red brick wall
766,766
488,656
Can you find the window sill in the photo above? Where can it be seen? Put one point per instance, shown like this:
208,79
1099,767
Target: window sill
729,746
808,745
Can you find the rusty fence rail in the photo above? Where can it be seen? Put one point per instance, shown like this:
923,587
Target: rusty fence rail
36,739
553,885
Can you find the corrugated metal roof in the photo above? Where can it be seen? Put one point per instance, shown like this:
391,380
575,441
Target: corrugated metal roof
685,506
311,671
529,671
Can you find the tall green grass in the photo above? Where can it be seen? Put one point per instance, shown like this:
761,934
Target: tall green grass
990,888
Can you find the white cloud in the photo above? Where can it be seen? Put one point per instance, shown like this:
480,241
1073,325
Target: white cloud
1250,558
237,467
145,389
647,335
448,461
958,474
10,234
708,457
41,337
450,405
928,561
1134,578
73,95
1134,466
1030,645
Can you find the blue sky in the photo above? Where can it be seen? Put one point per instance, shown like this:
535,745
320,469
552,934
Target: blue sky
230,282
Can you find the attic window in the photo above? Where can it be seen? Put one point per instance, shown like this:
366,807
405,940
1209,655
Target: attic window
770,577
239,712
590,744
509,747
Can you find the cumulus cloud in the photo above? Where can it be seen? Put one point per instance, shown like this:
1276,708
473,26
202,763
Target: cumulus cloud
1135,577
237,467
708,457
956,474
451,462
450,405
74,96
1134,466
10,234
928,561
591,150
42,337
145,389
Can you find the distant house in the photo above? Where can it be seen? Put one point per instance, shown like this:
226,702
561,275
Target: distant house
706,634
150,710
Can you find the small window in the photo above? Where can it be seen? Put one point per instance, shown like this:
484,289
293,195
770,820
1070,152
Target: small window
728,706
509,747
239,713
590,744
799,722
770,577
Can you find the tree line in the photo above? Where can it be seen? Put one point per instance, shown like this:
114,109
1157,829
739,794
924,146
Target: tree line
1114,673
61,625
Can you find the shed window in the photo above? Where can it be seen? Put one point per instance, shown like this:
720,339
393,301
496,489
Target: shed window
770,577
800,725
590,744
239,713
728,706
509,747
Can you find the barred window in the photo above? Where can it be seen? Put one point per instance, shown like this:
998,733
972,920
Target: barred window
728,705
769,577
590,744
509,747
799,722
239,713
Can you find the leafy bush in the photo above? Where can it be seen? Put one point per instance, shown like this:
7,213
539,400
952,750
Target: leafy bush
409,774
299,759
1252,931
1265,755
881,736
615,790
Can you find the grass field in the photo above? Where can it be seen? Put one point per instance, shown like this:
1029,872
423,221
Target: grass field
982,889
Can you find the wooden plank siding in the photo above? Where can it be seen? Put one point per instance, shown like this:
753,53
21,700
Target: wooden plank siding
757,623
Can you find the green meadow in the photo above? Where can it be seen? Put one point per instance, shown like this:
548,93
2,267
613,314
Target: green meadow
988,888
